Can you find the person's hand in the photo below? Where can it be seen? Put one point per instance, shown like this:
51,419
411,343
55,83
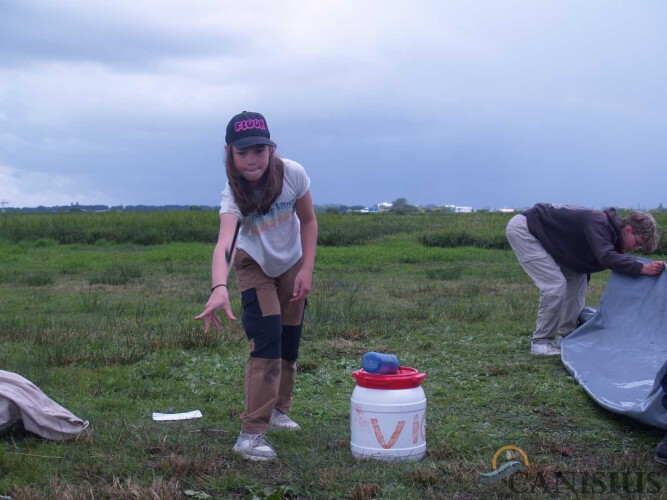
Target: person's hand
302,284
219,299
654,268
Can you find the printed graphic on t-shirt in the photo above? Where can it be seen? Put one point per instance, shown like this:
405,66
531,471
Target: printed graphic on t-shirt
278,214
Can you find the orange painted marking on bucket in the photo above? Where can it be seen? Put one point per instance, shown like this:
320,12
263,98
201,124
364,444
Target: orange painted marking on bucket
394,436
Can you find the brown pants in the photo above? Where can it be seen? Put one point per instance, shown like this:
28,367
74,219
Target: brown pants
273,327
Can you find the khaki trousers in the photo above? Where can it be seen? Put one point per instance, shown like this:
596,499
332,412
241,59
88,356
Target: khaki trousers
562,290
273,327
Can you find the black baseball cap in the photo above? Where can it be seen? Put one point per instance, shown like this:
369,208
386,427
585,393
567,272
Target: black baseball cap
248,129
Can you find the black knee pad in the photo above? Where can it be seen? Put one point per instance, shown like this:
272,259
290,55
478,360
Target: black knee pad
264,331
291,337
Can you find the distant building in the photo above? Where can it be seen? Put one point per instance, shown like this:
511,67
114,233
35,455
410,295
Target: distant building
505,210
384,206
459,210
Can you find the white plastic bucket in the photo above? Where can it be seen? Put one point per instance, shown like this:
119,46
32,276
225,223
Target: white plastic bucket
388,415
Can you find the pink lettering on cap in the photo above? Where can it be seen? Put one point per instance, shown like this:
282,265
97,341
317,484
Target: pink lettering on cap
249,125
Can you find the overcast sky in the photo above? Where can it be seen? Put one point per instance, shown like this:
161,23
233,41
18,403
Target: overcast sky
487,104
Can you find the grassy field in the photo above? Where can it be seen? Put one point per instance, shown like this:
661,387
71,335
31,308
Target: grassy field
97,310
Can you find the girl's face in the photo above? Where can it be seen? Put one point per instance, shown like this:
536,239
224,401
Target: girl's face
251,162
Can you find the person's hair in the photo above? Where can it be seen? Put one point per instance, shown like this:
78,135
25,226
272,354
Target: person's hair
644,226
244,194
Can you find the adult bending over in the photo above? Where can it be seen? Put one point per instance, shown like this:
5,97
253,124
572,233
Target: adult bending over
559,246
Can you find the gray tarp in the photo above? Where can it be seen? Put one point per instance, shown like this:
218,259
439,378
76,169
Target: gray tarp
22,401
619,356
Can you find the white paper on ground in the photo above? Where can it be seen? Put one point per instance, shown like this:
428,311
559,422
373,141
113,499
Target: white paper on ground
164,417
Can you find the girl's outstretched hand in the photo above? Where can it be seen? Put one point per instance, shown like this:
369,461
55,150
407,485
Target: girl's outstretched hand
219,299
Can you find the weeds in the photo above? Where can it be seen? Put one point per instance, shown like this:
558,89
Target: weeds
118,274
37,279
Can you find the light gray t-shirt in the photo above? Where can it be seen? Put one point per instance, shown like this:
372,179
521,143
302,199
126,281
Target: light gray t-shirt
273,240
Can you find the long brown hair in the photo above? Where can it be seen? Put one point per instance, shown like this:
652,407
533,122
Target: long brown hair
271,184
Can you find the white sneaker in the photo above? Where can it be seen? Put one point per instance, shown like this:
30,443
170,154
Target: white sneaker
549,349
280,420
254,447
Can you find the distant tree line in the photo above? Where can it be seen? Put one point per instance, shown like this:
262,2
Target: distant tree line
399,206
75,207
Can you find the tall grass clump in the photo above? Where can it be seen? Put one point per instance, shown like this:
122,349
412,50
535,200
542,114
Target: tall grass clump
358,229
37,279
462,238
141,228
117,274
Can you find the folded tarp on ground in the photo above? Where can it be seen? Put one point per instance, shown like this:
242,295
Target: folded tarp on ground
22,401
619,356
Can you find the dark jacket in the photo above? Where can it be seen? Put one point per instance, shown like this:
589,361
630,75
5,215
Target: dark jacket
585,240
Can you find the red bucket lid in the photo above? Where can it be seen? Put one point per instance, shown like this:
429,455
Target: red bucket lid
404,378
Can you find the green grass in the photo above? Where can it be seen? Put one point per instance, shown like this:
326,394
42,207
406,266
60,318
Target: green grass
107,330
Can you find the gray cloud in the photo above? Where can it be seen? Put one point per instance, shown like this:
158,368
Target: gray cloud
474,103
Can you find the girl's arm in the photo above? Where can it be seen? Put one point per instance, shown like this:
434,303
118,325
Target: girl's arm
220,268
306,214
